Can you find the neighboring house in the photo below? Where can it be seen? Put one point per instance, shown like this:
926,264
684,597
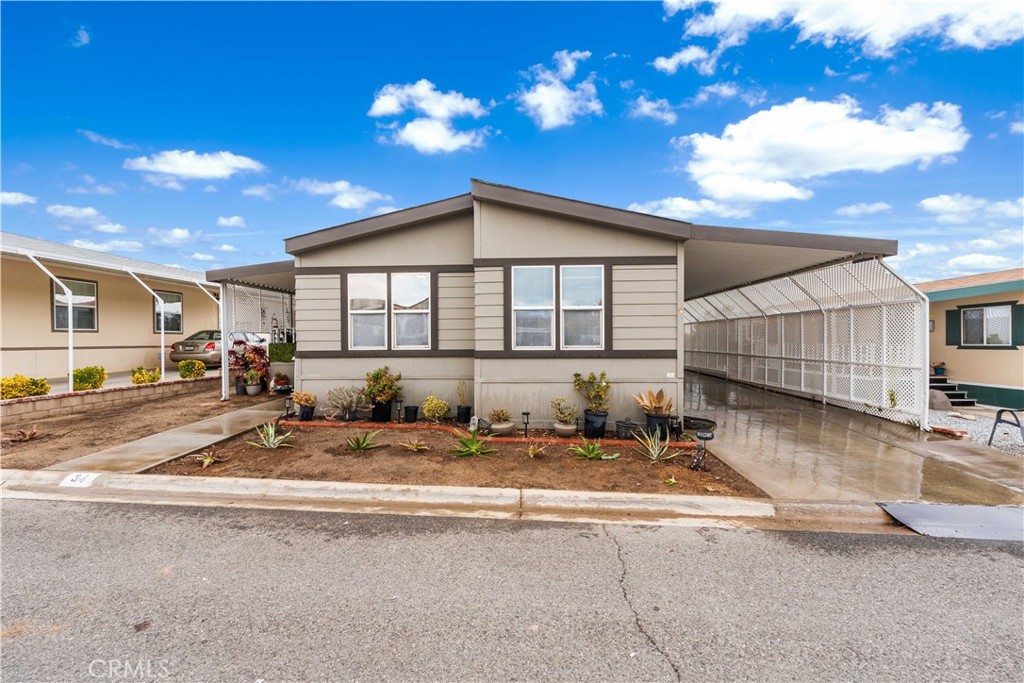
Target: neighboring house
514,291
976,328
116,320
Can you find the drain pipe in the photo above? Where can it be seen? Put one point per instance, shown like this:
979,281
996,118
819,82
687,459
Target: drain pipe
220,308
163,350
71,319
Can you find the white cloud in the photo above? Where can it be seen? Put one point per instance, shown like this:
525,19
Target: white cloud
91,187
701,60
261,191
381,210
173,237
75,213
659,110
93,136
210,188
683,209
231,222
203,257
863,209
15,198
961,208
346,195
111,245
879,27
980,262
167,167
727,90
1017,127
765,156
432,131
81,38
226,248
550,102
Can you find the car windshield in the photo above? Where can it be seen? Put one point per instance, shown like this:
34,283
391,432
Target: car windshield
205,335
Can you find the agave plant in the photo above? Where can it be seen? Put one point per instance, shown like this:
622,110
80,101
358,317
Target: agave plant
592,450
654,403
364,441
209,457
268,436
19,435
414,445
652,446
535,449
471,444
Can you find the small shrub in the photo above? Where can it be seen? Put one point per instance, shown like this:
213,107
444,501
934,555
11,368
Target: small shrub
652,446
414,445
470,444
595,389
435,408
382,386
280,352
268,437
591,450
462,393
304,398
499,415
141,375
91,377
346,400
190,369
252,376
364,441
20,386
563,411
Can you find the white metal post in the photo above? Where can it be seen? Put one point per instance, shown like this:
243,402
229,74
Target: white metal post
71,320
217,301
925,350
224,396
163,350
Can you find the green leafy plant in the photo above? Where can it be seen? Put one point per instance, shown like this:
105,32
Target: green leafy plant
563,411
364,441
210,457
280,352
91,377
652,446
535,449
268,436
19,386
435,408
671,481
190,369
346,400
654,403
499,415
382,386
304,398
20,435
471,444
282,379
892,397
462,392
252,376
595,389
414,445
592,450
141,375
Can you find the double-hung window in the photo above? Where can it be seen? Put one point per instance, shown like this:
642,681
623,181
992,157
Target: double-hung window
83,305
388,311
172,312
986,326
571,317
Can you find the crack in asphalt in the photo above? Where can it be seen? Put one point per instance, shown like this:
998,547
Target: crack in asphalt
636,615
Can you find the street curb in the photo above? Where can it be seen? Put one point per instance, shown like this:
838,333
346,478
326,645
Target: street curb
458,501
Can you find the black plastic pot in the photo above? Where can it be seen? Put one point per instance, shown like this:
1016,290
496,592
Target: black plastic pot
658,422
624,429
381,412
239,387
306,413
411,413
463,414
594,423
351,416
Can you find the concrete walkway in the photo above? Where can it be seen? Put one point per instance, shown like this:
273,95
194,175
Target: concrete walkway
799,450
140,455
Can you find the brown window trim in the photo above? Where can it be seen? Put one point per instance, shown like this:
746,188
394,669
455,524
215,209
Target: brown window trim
71,322
156,328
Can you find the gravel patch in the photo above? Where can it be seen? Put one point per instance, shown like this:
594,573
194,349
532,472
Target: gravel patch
1007,438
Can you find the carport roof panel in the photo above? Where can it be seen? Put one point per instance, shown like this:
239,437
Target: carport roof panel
279,275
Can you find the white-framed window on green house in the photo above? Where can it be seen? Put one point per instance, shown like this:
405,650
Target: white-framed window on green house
83,305
367,311
410,310
172,312
533,307
582,304
986,326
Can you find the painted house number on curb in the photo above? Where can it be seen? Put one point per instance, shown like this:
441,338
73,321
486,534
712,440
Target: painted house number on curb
79,479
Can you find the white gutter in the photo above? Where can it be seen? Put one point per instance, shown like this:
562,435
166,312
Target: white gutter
163,350
71,319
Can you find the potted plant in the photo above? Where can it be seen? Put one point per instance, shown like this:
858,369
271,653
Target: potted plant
658,409
434,409
282,383
463,411
594,388
252,382
306,401
565,416
501,422
243,357
346,401
381,389
938,369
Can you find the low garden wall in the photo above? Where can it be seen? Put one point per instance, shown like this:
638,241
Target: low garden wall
67,403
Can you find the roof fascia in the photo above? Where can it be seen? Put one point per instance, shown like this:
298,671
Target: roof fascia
256,269
802,240
976,290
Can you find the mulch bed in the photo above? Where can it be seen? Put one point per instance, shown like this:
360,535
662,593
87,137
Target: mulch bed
321,454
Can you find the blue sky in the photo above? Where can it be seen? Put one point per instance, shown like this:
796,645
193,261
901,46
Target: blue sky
203,134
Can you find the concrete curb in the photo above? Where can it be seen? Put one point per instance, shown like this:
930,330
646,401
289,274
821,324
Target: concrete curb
500,503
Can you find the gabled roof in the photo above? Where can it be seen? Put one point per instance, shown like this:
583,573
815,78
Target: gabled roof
995,277
65,253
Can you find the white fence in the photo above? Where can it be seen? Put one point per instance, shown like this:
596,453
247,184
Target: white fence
250,309
850,334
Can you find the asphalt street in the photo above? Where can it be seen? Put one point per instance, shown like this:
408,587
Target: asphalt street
135,592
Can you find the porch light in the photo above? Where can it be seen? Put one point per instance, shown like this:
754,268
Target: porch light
398,418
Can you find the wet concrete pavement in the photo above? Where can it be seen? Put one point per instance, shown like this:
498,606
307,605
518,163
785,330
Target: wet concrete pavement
800,450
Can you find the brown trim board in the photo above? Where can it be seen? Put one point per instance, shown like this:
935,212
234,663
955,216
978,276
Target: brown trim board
578,261
345,270
583,353
405,353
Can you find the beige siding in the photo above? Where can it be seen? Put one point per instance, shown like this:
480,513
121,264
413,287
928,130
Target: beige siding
455,325
441,242
999,367
644,308
318,312
490,307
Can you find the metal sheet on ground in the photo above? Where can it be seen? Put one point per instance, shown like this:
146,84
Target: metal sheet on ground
993,523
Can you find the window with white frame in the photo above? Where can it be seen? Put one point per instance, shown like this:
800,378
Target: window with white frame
533,307
83,305
986,326
388,311
582,303
172,312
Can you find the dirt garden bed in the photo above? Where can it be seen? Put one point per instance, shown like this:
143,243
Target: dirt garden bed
321,454
70,436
